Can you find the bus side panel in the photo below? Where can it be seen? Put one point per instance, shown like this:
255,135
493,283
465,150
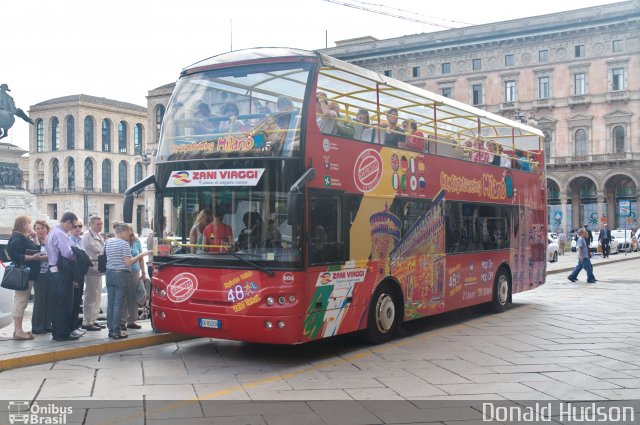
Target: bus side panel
338,299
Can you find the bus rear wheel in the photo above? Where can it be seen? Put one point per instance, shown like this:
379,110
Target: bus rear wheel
384,312
501,290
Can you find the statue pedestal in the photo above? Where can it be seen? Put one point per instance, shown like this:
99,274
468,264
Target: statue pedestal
13,203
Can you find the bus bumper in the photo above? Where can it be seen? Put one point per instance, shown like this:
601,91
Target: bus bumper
262,329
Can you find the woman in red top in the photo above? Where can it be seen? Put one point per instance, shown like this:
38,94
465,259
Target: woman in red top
218,235
415,138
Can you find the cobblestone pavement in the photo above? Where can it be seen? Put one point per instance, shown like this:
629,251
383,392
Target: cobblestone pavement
562,341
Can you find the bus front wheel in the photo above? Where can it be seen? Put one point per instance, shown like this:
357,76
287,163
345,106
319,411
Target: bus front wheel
501,290
384,314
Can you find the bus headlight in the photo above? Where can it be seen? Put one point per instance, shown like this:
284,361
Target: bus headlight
270,301
281,300
268,325
292,299
281,324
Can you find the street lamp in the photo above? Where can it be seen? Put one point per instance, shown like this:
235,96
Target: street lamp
526,117
146,158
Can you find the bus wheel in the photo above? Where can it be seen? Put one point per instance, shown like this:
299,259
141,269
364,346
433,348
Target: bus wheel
501,287
383,315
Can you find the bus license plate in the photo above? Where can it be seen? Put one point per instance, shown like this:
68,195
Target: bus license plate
209,323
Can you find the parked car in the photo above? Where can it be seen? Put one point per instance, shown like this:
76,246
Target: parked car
6,295
627,242
553,236
552,250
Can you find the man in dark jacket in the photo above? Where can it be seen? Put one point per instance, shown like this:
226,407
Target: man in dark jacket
589,239
605,240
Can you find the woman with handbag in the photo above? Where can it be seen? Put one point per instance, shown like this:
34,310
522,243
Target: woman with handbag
24,250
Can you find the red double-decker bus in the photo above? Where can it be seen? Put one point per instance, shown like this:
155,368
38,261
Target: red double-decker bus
303,197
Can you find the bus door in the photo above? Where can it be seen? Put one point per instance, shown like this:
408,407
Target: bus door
330,293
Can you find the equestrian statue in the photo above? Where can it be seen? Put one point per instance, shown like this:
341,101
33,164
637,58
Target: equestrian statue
8,110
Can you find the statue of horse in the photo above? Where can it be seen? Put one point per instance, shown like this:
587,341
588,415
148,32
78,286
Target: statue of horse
8,112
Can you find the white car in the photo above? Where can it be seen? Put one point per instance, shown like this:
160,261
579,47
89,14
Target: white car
626,242
553,236
613,245
552,250
6,295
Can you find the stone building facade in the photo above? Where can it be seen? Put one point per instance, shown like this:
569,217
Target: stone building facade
84,152
574,75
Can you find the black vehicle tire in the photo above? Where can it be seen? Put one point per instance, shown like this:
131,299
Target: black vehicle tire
383,318
501,291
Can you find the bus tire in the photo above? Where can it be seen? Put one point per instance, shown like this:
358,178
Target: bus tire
383,318
501,291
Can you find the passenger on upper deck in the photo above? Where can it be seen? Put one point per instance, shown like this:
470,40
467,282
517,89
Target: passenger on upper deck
492,150
522,162
393,135
363,130
326,116
415,138
203,124
232,124
505,161
479,152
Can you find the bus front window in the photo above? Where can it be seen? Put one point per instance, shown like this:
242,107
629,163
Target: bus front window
222,222
226,112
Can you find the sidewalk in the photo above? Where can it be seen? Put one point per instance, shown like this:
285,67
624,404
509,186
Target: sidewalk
41,350
15,354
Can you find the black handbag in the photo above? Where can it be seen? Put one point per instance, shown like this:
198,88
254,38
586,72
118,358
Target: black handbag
15,278
102,262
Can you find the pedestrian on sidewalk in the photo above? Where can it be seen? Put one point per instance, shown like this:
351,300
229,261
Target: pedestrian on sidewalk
605,240
93,244
58,246
24,251
562,241
119,261
42,303
584,262
75,238
130,308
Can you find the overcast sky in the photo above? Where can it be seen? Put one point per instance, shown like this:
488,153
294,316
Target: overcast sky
121,49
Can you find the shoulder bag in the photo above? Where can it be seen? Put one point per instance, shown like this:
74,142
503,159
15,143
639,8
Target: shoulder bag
15,278
102,260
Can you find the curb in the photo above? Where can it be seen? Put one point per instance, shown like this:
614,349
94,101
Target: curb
89,350
568,269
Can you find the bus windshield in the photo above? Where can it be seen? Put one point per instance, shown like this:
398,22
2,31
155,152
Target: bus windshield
251,111
231,223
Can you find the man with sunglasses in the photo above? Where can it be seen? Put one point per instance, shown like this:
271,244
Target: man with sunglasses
58,245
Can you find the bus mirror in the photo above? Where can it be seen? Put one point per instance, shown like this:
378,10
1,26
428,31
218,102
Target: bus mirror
295,202
127,213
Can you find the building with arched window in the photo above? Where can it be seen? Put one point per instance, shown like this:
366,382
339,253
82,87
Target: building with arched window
574,75
86,176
